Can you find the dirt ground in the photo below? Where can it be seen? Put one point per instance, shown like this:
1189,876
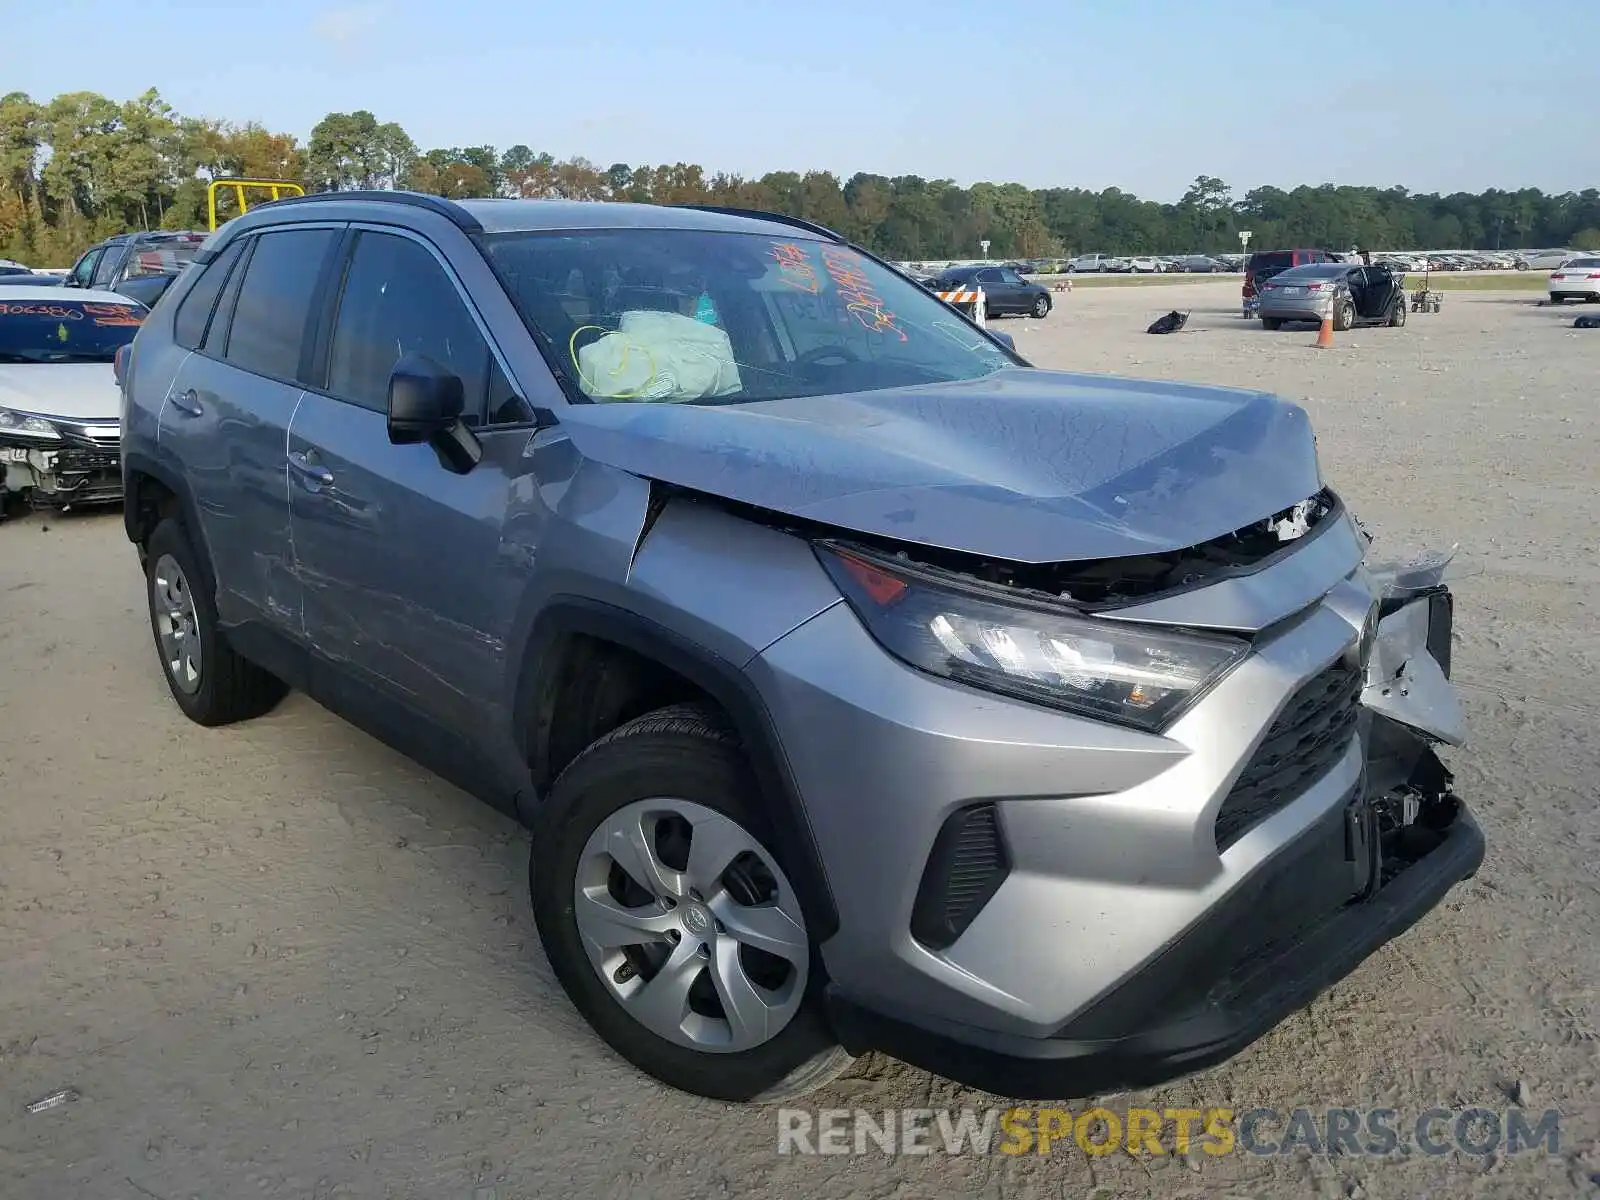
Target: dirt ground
279,960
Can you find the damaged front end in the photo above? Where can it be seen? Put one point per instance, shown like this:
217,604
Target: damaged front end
1409,707
55,464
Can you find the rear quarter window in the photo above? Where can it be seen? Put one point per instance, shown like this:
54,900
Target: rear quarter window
197,305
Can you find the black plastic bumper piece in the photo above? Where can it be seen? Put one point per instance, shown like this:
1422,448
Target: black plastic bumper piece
1205,1020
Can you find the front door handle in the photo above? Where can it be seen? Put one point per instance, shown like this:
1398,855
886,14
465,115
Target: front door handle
186,402
306,463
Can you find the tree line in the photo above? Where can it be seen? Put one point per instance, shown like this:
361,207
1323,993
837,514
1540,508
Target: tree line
82,166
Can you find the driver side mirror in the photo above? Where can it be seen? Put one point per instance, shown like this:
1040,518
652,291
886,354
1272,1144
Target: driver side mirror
425,405
1005,339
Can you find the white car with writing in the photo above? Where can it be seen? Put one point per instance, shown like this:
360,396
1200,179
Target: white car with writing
60,409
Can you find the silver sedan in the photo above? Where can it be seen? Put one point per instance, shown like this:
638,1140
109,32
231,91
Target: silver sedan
1350,294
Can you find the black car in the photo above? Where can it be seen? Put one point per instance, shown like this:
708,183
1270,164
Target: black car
137,265
1004,291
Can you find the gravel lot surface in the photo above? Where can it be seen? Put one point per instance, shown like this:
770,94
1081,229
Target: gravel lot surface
278,960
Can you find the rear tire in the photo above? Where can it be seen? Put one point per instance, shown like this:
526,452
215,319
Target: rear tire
667,779
211,684
1272,324
1397,316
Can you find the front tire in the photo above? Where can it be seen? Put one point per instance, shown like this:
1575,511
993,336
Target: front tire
1397,317
211,684
1272,324
1344,316
665,910
1041,307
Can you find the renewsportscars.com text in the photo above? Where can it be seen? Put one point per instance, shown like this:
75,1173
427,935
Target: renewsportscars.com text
1152,1131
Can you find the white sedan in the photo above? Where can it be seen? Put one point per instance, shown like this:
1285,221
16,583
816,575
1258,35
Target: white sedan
60,409
1576,279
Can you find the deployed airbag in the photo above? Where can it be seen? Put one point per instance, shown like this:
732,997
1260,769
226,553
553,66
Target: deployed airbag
658,356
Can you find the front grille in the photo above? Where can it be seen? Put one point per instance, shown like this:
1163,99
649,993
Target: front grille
968,864
1310,735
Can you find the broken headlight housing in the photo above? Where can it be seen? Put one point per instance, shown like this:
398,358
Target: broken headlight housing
1128,674
23,425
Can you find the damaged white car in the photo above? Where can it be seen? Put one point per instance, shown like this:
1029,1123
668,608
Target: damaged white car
60,410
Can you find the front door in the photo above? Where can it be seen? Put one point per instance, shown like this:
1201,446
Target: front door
83,270
995,299
404,586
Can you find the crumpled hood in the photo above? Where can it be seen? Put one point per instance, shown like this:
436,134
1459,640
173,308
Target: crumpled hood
1025,464
78,391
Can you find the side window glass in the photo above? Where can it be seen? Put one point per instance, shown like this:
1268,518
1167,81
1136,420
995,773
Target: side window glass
398,300
194,312
84,271
506,407
106,268
988,275
274,303
1009,276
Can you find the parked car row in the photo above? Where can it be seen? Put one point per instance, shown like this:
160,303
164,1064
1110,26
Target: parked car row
1147,264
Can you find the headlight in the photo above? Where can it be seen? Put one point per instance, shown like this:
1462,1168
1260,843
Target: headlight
22,425
1129,674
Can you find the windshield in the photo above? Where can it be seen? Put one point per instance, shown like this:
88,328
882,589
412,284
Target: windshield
1269,261
681,316
1312,271
65,330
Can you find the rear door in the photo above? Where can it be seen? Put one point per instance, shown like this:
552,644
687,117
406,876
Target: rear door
226,415
1018,297
404,587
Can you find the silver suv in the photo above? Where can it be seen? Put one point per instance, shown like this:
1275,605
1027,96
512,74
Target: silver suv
863,686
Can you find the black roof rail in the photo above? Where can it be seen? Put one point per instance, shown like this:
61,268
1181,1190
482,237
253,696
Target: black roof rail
762,215
448,209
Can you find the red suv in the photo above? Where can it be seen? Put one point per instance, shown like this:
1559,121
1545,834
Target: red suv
1264,264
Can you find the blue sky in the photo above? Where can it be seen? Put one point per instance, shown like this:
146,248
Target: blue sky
1434,95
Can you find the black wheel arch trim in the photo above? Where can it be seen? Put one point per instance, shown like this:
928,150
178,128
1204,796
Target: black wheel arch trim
726,683
137,466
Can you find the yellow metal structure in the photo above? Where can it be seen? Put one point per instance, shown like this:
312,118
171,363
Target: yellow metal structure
276,189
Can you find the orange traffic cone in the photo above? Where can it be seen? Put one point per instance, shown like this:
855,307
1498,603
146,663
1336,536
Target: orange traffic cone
1325,334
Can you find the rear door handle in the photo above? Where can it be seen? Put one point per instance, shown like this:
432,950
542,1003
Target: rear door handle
306,463
186,402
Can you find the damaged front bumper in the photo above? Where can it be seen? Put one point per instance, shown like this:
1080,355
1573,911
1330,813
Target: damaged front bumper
1368,869
79,467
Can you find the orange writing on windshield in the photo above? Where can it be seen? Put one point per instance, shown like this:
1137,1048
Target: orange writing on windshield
793,268
114,314
863,302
